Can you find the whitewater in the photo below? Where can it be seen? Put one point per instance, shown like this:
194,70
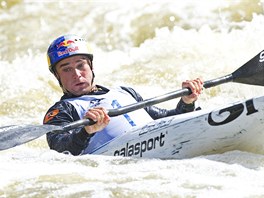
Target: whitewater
151,46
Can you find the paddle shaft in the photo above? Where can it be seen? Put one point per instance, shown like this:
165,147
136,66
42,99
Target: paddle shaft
150,102
165,97
251,73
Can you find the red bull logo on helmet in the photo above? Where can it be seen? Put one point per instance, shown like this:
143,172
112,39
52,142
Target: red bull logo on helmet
67,46
65,43
68,51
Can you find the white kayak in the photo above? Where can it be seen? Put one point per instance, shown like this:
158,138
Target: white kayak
237,126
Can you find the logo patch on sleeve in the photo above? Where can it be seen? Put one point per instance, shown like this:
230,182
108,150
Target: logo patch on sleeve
49,116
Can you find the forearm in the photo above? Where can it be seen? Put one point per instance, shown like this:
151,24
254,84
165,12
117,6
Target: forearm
74,142
157,113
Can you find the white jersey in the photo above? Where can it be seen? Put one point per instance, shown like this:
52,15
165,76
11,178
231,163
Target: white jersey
118,125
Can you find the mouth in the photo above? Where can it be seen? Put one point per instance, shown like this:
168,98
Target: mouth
80,84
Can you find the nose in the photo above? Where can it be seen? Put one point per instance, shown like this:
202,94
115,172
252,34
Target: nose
76,73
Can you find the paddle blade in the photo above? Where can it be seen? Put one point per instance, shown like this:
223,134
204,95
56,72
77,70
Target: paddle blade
14,135
252,72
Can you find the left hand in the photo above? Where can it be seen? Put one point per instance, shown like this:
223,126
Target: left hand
196,87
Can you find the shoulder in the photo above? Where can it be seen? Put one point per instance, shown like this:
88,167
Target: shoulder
61,109
132,92
62,105
125,89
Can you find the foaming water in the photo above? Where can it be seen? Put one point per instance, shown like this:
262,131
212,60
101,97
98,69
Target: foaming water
151,46
57,175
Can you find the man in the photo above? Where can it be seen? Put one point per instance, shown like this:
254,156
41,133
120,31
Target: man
72,64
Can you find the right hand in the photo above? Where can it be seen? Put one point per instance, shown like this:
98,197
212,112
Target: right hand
100,116
196,87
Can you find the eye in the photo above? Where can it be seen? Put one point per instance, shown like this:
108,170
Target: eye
81,65
66,69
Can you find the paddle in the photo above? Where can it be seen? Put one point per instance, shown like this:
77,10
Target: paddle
251,73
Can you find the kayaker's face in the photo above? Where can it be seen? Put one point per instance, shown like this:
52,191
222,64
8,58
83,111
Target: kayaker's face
75,74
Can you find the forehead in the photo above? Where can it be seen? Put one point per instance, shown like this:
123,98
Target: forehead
72,60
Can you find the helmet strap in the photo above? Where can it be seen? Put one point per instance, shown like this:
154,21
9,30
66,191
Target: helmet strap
91,66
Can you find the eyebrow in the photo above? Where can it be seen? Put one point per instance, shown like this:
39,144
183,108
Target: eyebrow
63,65
66,64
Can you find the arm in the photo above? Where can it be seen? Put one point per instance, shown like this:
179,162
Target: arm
73,141
181,107
186,104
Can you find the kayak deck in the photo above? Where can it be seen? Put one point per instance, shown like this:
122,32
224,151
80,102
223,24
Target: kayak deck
237,126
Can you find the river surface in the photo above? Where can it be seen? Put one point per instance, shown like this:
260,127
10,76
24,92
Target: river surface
151,46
